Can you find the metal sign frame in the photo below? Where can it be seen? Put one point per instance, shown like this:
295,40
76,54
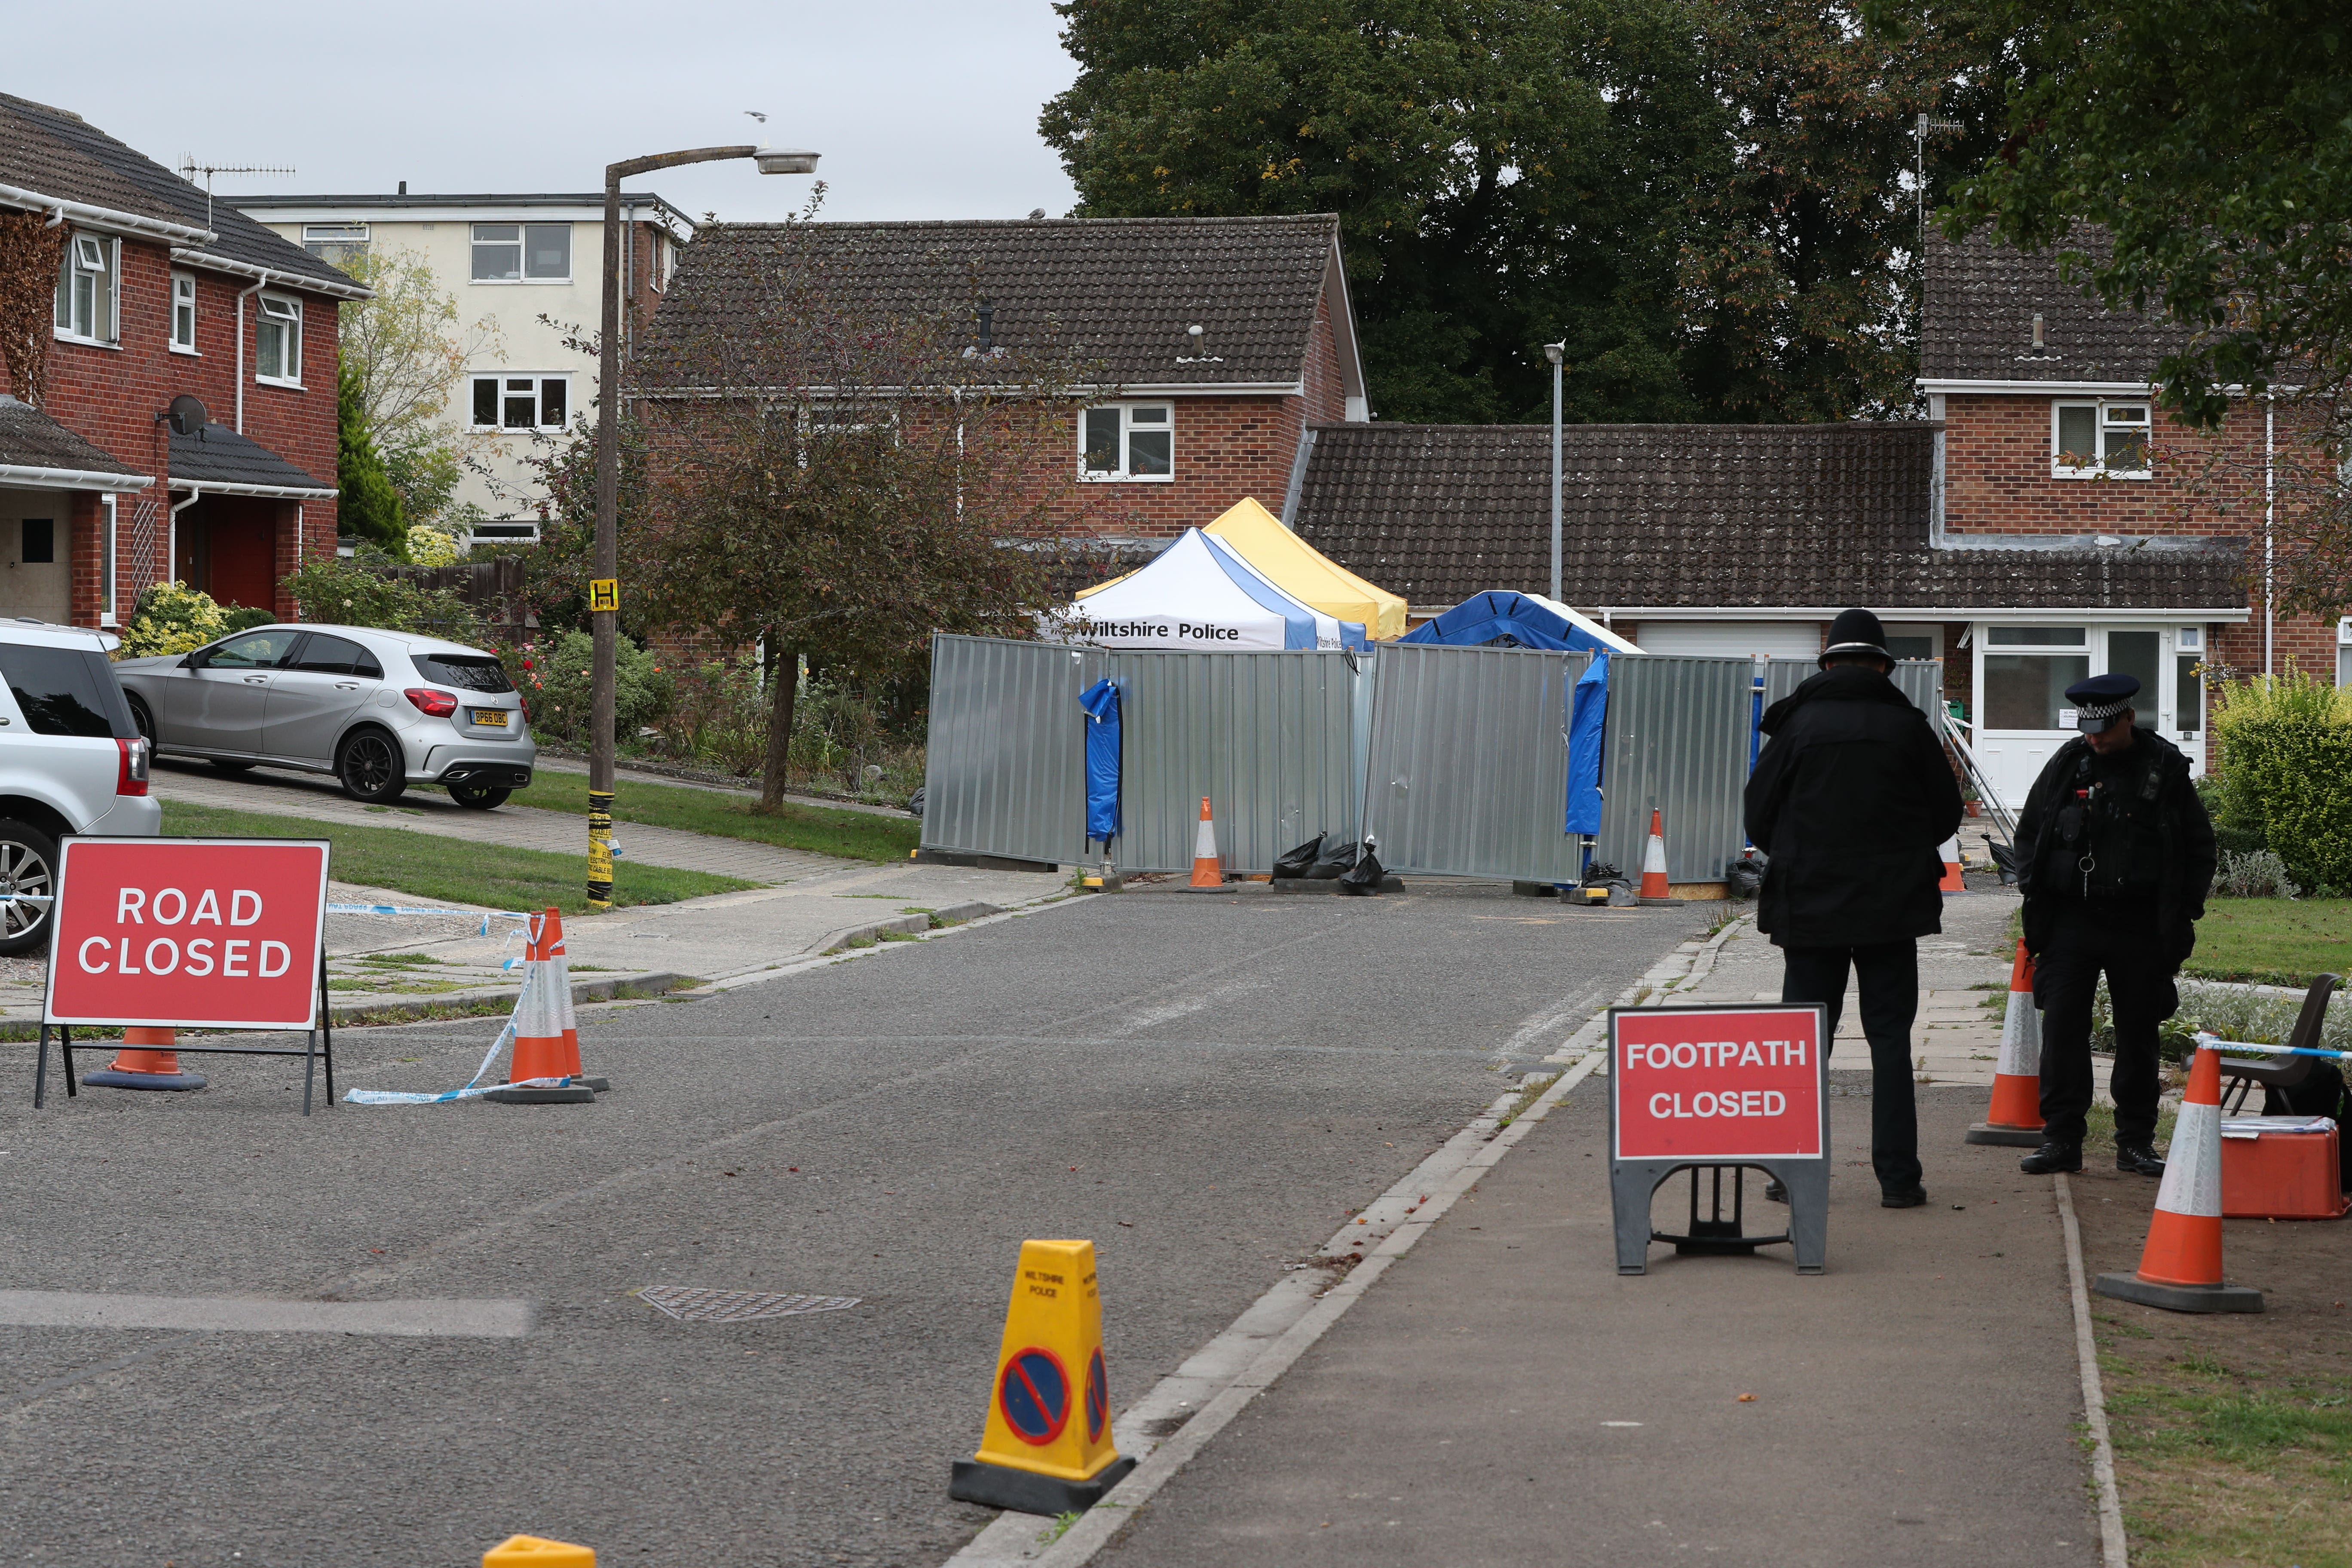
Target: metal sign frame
1634,1182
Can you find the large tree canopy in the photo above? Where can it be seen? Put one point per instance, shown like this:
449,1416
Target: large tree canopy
1705,202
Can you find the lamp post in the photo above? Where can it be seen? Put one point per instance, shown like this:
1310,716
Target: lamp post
1556,352
604,592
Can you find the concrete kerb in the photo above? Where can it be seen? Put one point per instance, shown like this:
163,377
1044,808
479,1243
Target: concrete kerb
1174,1421
2114,1549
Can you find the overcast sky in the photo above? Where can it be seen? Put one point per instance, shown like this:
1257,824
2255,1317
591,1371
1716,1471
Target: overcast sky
922,109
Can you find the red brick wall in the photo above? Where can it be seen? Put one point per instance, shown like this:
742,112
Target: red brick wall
1996,479
112,396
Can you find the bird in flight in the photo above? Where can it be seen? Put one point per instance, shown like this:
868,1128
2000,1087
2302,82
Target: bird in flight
756,115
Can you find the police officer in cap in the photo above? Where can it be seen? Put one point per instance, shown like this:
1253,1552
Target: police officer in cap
2114,856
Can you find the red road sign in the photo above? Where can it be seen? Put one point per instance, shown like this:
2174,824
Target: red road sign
1716,1083
188,933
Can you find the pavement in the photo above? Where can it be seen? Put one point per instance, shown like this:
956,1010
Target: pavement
1205,1086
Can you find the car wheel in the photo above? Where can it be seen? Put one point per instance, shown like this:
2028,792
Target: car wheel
29,861
144,722
370,764
478,798
232,764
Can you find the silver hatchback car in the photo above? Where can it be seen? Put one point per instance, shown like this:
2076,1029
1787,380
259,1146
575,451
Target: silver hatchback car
379,711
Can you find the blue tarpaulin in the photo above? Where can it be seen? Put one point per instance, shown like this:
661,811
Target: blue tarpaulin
1500,616
1101,703
1585,729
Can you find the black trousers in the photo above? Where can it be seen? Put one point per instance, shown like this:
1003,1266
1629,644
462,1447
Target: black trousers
2088,938
1887,973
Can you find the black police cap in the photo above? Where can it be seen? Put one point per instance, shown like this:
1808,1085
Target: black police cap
2101,700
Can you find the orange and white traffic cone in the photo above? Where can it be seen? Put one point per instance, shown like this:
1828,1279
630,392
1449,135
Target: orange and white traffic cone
1953,882
545,1065
2180,1266
560,979
2015,1118
1207,872
146,1061
1656,888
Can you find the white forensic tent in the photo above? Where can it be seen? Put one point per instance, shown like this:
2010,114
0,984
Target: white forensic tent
1198,594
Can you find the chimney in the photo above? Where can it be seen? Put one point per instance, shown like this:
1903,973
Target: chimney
404,187
987,325
2037,333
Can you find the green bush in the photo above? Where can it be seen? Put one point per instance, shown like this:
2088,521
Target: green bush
554,677
2285,754
171,618
368,591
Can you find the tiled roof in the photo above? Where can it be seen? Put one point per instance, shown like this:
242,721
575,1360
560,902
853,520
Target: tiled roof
31,439
59,154
1982,300
1120,291
1697,515
219,456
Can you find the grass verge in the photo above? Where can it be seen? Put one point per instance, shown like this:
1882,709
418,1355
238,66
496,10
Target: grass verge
430,867
2277,941
851,835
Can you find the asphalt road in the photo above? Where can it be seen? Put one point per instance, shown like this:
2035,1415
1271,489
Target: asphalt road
1202,1086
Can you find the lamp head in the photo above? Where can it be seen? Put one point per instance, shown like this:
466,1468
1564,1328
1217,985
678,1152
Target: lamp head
1556,352
785,160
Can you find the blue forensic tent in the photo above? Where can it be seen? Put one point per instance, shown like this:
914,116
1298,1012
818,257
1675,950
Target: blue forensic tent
1529,620
1101,703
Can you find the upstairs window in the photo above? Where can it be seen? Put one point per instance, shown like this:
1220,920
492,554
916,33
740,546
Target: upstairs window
86,289
278,354
2088,440
337,244
183,312
522,401
1127,441
522,253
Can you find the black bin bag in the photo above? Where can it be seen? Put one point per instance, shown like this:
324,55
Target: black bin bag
1332,863
1296,864
1364,878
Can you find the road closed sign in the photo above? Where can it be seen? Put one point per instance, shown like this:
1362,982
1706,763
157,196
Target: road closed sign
1711,1084
188,933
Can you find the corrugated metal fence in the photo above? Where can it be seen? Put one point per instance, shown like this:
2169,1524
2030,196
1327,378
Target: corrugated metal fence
1677,740
1467,774
1920,680
1006,772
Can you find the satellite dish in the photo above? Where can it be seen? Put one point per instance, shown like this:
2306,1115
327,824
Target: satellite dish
188,416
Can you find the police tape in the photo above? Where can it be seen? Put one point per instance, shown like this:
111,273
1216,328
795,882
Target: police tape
485,915
2215,1043
474,1085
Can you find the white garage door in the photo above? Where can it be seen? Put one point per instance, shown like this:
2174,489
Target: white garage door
1733,639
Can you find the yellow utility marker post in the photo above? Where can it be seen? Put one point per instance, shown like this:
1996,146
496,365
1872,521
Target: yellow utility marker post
1047,1445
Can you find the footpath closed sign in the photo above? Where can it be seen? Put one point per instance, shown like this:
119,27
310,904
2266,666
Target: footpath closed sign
189,932
1717,1084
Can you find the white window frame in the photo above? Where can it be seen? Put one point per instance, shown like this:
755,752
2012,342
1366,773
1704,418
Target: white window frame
2344,651
521,242
2101,423
285,311
184,297
336,243
108,273
539,380
1127,411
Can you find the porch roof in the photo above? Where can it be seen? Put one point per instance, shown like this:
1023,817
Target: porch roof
37,452
219,461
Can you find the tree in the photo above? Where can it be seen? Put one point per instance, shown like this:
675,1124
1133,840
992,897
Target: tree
1704,200
407,351
368,507
834,476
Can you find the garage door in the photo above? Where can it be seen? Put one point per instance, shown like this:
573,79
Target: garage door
1732,639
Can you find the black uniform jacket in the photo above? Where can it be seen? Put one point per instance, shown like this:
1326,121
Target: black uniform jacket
1852,799
2189,854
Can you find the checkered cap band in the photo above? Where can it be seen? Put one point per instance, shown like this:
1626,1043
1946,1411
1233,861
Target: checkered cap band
2102,710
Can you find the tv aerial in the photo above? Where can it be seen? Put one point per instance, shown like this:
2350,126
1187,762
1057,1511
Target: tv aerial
190,169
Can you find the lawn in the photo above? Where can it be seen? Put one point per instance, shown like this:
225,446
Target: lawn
820,830
430,867
2280,942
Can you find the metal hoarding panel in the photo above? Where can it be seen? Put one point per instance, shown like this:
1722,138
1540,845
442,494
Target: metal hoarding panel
1920,680
1678,740
1468,770
1005,771
1269,738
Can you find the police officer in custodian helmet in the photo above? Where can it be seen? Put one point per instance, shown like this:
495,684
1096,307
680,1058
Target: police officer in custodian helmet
2114,856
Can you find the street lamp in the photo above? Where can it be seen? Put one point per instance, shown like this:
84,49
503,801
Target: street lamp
1556,352
605,593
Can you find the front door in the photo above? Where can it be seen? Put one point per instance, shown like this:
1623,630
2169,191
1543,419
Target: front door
218,705
242,553
310,700
2023,671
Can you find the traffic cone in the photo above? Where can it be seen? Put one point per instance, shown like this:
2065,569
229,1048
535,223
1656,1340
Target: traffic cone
1655,889
541,1047
157,1065
2015,1118
1206,871
2180,1267
1953,882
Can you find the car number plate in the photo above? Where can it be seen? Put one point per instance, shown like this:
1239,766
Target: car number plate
496,718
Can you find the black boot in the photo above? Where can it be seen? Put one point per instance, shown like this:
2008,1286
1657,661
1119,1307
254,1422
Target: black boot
2052,1157
1775,1192
1910,1198
2138,1159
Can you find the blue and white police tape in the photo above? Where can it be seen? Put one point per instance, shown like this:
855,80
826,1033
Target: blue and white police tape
474,1085
2215,1042
486,916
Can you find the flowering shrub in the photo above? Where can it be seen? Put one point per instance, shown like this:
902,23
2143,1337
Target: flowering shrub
171,618
555,678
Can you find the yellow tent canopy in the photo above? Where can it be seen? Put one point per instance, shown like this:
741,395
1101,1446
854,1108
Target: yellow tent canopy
1300,570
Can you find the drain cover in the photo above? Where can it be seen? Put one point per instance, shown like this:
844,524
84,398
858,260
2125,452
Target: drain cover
695,1305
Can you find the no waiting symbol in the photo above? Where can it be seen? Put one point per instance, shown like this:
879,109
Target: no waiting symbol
1035,1394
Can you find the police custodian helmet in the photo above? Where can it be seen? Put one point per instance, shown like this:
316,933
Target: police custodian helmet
2101,700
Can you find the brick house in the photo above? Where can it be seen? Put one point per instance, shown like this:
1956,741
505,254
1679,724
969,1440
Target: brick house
1219,341
157,298
2045,524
